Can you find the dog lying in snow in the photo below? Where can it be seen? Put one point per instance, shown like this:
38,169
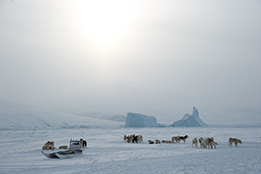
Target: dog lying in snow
167,141
157,141
150,142
233,140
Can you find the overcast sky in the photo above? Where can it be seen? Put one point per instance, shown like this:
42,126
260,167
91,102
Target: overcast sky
158,58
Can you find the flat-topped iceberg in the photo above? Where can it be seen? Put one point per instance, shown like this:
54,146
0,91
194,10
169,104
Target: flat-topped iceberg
140,120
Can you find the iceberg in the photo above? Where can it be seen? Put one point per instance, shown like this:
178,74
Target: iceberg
190,120
140,120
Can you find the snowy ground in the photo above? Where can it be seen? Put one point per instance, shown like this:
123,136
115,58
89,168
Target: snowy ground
107,153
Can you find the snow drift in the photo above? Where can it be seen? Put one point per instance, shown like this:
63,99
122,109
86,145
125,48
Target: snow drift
190,120
140,120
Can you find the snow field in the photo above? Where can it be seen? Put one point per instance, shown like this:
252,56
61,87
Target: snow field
108,153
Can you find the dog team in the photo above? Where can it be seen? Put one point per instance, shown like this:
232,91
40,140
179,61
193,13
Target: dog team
203,142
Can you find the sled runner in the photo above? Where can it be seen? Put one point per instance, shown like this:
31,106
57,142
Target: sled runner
68,154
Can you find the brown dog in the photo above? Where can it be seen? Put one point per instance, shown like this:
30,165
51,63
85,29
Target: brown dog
234,140
49,145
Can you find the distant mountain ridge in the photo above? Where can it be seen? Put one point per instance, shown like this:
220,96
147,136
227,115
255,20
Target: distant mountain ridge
104,116
19,116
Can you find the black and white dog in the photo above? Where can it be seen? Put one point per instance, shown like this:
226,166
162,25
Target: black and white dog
84,143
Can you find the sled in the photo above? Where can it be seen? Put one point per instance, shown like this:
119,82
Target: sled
75,149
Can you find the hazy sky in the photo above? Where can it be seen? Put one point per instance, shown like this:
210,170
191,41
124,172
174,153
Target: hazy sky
154,57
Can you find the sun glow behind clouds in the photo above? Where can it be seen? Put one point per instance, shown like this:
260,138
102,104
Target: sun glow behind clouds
104,22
